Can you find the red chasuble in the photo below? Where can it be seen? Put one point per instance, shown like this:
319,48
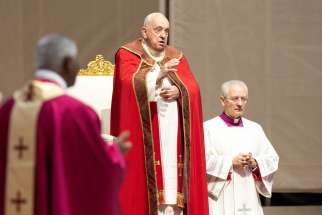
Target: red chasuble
76,172
131,111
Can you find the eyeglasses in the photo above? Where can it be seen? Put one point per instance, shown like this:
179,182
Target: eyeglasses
236,99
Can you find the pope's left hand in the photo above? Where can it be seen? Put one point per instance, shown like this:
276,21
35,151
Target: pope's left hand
169,93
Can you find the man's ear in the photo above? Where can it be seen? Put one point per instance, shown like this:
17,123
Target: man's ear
70,65
143,32
66,65
69,70
222,100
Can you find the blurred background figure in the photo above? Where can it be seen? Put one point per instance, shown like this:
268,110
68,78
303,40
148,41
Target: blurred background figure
52,157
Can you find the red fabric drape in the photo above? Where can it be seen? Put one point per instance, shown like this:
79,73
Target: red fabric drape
126,115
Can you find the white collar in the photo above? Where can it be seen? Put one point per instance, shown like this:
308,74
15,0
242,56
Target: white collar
52,76
157,56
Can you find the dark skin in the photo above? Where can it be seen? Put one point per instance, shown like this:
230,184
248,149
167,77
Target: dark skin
69,70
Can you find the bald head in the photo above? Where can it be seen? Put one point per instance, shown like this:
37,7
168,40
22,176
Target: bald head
153,17
155,31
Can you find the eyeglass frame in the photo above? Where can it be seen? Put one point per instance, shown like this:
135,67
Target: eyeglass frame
237,98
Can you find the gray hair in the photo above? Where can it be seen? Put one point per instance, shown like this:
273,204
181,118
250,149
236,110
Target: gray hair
149,17
228,84
52,49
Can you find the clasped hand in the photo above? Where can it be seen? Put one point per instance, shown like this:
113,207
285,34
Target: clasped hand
244,160
169,93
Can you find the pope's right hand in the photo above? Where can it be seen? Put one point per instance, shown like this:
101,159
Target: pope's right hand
168,67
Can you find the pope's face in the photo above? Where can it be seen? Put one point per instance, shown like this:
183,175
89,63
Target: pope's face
156,33
235,102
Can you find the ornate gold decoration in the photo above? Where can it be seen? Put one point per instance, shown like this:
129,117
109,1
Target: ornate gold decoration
97,67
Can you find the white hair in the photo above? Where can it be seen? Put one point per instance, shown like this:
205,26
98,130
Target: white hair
53,49
228,84
150,17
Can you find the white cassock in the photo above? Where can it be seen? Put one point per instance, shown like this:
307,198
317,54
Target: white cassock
238,196
168,130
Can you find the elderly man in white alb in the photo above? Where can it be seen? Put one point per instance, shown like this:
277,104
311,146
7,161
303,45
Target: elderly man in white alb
240,159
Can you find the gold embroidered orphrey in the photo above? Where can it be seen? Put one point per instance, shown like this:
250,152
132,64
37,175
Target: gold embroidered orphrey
98,67
21,152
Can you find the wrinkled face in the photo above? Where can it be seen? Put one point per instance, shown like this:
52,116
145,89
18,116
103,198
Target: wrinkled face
156,33
234,103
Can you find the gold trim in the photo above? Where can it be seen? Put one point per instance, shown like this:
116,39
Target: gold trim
180,200
21,165
160,195
146,62
131,50
150,53
98,67
139,55
151,205
187,137
20,169
153,157
139,85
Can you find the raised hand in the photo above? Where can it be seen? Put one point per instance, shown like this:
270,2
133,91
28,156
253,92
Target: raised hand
168,67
